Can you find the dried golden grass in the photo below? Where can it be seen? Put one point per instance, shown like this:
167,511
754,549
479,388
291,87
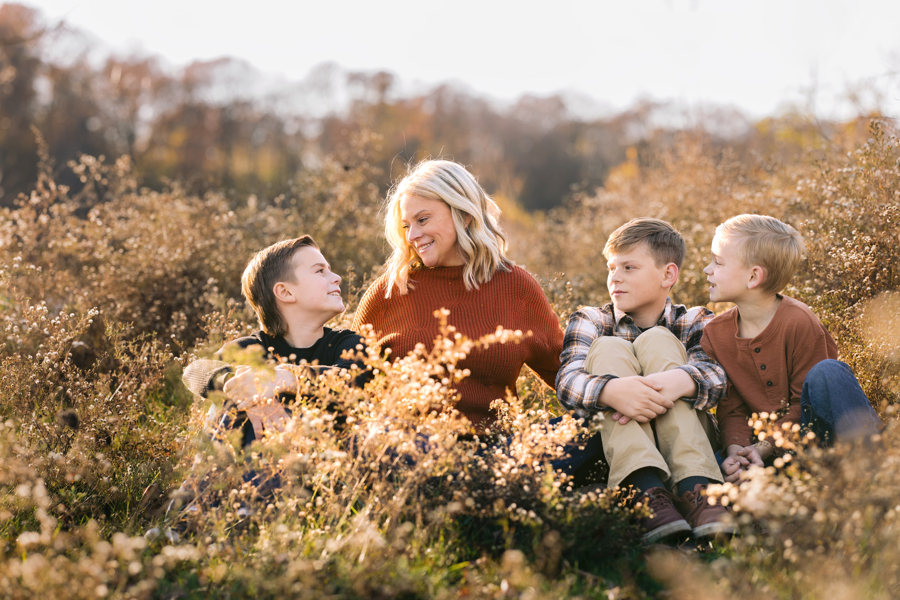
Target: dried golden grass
106,294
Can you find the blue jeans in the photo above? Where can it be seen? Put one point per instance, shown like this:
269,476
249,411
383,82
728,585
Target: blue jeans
833,405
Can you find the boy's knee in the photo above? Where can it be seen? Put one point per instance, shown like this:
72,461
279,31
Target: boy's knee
656,335
658,349
827,377
610,344
827,370
613,356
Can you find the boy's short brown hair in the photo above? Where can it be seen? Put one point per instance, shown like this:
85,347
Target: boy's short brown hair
765,241
270,266
663,241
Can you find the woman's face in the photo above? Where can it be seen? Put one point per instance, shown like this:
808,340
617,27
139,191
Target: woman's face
430,231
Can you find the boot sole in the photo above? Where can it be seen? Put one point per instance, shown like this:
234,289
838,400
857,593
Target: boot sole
664,531
715,530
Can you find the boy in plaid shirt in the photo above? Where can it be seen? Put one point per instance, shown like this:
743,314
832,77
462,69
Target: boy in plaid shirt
640,359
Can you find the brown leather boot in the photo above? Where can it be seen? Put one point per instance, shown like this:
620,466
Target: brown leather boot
664,521
706,520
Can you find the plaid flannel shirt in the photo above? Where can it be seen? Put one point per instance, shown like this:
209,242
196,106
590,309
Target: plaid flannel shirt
579,391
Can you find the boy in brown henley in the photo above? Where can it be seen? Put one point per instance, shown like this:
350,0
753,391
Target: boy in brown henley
777,355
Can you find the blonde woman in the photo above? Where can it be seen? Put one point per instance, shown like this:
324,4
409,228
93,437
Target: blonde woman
449,252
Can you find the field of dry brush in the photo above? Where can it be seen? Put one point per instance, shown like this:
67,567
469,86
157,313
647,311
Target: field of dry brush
106,293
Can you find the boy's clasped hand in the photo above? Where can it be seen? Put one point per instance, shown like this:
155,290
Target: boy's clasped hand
635,398
740,460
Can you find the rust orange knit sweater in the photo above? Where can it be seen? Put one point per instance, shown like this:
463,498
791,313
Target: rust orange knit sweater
513,300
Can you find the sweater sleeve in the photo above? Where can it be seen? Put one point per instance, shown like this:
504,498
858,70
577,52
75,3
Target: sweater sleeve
546,335
203,376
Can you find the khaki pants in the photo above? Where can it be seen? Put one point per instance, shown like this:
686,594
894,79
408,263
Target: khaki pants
676,443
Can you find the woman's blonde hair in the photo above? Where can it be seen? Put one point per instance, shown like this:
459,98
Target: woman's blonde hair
482,243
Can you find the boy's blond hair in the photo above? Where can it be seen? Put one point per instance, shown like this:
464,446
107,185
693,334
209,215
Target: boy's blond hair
270,266
767,242
663,241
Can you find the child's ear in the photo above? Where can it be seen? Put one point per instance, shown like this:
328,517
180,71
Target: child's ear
670,275
757,276
283,293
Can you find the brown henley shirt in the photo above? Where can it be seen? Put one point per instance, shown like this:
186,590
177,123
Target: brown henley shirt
765,373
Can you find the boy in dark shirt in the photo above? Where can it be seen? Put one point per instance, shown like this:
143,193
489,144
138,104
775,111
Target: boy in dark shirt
294,293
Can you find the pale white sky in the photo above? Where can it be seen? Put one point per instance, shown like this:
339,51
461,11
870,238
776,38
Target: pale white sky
755,55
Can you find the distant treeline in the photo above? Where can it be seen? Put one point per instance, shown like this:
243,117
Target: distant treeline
214,125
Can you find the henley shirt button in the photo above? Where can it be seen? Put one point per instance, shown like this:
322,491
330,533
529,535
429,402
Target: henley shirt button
769,383
756,350
763,367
